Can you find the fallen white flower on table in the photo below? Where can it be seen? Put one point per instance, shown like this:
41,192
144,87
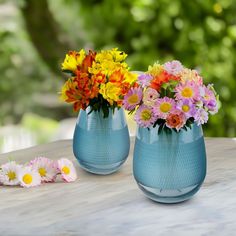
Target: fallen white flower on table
9,173
67,169
29,177
47,168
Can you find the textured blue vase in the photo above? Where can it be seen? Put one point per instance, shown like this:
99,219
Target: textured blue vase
169,168
101,145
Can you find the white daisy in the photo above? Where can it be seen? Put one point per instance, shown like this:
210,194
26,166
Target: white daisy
9,173
67,169
46,168
29,177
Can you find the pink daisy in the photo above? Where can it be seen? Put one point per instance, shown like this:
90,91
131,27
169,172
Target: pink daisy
187,90
187,107
46,168
173,67
67,170
145,116
132,98
163,107
144,79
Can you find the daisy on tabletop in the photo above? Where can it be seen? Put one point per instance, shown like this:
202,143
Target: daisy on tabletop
29,177
46,168
67,170
9,173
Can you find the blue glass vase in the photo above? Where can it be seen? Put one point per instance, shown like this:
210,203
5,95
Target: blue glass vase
101,145
169,167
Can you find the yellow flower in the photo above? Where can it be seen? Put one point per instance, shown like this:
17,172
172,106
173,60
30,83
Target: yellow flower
130,77
155,70
106,67
118,56
95,69
73,59
103,56
64,89
110,92
111,55
108,61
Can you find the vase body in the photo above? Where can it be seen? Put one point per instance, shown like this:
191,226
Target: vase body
169,167
101,145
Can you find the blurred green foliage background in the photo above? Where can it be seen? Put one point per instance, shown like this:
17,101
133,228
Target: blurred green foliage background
36,34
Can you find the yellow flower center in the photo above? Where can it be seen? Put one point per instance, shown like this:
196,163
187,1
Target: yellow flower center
42,172
185,108
11,175
165,107
187,92
133,99
146,115
66,170
27,178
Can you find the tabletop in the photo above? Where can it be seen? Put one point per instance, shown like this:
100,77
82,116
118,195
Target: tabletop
114,205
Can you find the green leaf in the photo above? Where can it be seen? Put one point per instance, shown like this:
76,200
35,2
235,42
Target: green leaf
105,110
68,72
165,85
167,130
160,129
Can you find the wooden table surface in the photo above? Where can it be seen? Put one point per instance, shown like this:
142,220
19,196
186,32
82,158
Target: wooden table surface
113,205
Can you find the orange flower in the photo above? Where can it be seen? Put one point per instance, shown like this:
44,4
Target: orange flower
71,94
116,77
99,78
88,61
87,86
79,90
176,120
162,78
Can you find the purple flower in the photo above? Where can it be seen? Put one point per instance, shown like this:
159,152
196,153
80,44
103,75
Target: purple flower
187,107
132,98
173,67
201,116
144,80
212,106
145,116
209,99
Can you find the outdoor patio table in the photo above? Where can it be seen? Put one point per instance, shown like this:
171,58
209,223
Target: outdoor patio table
113,204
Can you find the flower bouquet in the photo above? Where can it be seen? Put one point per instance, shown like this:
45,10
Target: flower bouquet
98,80
98,83
172,97
170,104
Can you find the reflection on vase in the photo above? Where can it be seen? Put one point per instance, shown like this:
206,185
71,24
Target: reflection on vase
101,145
169,168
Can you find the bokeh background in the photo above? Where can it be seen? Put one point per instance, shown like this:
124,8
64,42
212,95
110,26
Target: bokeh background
36,34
